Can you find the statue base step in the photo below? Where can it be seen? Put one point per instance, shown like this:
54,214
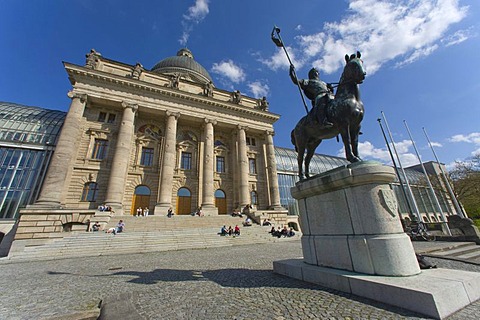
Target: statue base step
436,293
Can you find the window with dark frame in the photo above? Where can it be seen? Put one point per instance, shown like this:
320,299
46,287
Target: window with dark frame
147,157
252,164
186,161
102,116
111,118
100,149
89,193
253,198
220,164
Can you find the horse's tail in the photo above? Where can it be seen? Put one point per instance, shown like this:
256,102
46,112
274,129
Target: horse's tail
292,135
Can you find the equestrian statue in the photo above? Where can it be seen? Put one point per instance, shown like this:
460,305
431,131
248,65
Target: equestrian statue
331,115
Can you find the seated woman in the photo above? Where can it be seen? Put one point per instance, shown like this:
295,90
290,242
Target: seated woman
230,231
120,227
247,222
236,231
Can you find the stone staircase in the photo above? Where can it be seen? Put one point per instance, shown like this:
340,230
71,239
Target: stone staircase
149,234
465,251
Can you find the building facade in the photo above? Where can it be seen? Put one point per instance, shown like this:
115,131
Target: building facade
160,138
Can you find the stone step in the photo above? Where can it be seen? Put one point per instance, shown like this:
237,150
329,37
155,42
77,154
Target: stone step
81,244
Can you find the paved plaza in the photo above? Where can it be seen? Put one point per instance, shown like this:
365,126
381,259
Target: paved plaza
218,283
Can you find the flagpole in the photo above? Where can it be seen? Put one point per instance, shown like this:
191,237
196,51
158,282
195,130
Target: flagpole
447,183
439,208
402,186
279,43
410,193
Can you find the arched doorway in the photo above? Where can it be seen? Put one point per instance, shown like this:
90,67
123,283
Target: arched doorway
141,198
184,201
221,201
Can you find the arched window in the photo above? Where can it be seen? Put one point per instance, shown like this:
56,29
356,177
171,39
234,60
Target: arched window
219,194
90,192
142,191
183,192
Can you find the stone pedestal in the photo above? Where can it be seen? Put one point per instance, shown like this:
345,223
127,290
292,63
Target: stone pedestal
353,241
349,221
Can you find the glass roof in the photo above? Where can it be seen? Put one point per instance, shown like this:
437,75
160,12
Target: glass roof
33,125
287,161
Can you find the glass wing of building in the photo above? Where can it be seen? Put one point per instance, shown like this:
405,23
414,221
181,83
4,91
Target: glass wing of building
27,140
287,168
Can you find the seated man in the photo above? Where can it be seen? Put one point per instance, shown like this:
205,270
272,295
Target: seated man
223,231
96,226
267,223
290,233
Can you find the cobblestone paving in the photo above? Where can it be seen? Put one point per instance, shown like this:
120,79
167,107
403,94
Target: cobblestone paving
218,283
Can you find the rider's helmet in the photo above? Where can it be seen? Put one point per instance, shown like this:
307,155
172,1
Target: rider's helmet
313,73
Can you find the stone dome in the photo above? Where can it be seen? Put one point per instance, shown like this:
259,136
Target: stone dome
183,64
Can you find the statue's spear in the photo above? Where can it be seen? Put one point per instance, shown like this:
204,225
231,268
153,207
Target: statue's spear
279,43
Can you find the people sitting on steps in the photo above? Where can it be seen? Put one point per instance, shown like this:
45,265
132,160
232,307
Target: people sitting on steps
223,231
96,226
237,213
247,222
170,212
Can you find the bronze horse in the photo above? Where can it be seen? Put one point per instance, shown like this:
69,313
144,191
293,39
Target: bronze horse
345,111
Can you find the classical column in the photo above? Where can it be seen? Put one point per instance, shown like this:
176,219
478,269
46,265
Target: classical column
272,173
168,165
208,205
244,197
56,179
121,158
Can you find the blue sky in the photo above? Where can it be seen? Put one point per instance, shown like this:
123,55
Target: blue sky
421,57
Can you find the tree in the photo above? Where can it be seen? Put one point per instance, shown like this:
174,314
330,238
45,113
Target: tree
466,181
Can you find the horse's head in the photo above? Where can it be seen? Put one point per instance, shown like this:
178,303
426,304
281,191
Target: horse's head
353,70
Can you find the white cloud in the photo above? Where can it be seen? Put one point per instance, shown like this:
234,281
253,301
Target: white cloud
458,37
198,11
279,59
228,69
383,30
436,144
259,89
473,137
368,151
195,15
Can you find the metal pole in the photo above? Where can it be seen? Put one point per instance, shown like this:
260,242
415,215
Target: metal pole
279,43
396,168
460,212
439,208
412,197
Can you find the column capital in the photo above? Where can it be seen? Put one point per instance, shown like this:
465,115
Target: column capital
75,95
212,121
270,132
171,113
133,106
240,127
